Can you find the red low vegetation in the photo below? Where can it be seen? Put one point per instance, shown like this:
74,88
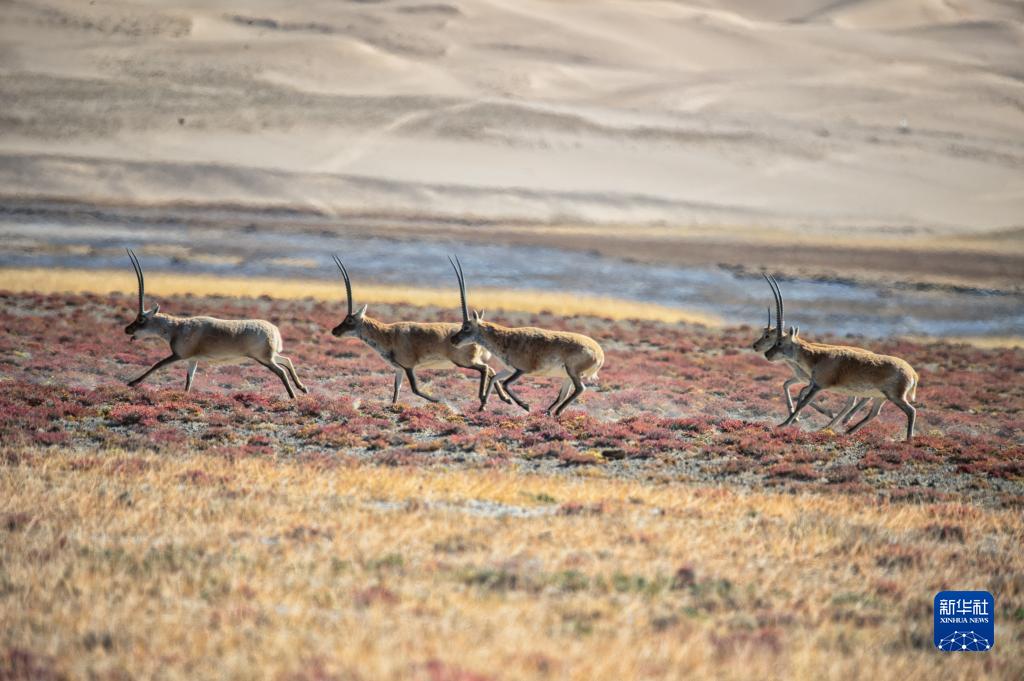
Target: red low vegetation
682,400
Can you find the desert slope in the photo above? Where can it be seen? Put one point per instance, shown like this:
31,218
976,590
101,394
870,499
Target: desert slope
838,116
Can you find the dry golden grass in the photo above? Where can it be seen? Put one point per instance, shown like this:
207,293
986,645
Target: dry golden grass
41,280
187,567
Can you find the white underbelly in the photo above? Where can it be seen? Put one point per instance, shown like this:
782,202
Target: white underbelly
437,363
219,359
555,369
552,373
858,390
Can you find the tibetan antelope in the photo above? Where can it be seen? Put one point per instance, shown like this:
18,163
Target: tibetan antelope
766,341
846,370
193,339
529,350
408,346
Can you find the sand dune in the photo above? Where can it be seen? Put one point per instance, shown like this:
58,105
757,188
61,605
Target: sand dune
834,115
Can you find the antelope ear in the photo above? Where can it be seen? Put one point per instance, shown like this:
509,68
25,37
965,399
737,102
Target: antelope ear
156,308
793,331
362,312
478,315
796,331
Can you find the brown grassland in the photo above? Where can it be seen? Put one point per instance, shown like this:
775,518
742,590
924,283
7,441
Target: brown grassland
186,567
661,529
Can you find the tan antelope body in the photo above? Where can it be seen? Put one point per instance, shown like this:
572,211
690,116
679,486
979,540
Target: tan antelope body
765,342
530,350
846,370
408,346
196,339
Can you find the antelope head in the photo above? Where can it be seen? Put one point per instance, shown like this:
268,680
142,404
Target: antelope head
470,331
353,321
768,336
141,326
783,345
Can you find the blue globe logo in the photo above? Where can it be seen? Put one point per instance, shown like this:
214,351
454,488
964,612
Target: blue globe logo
964,640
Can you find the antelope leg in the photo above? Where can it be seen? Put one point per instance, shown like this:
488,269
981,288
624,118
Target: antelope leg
514,377
416,388
811,393
279,372
875,408
159,365
496,383
789,397
399,376
562,392
857,407
281,359
576,393
192,366
911,413
486,377
841,414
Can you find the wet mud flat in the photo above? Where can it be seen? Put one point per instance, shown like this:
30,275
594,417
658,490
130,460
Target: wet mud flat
295,244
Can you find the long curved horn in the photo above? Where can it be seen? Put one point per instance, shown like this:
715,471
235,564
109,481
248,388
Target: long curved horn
778,301
462,286
780,320
140,278
782,304
348,282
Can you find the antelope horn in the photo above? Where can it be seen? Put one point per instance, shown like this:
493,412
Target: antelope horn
769,315
778,302
141,280
348,282
782,304
462,286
